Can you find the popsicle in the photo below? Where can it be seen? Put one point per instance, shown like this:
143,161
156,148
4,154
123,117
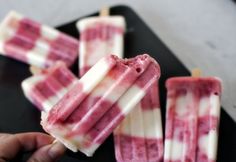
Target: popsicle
99,36
98,102
33,43
47,87
192,119
139,137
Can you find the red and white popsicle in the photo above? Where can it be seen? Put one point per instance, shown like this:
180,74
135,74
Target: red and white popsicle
99,36
139,137
33,43
99,101
192,119
47,87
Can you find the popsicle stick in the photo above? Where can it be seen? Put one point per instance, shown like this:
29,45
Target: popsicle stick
196,72
105,11
35,70
58,145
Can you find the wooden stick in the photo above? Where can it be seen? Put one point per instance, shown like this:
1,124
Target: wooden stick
105,11
35,70
196,72
59,145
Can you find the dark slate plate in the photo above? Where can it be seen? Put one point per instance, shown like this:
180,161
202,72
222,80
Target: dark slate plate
19,115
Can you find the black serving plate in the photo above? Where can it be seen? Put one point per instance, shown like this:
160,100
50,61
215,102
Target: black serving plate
19,115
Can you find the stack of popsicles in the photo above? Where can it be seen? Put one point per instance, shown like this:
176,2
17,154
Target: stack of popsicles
96,104
113,95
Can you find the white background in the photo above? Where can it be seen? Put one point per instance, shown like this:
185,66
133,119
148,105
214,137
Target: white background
202,33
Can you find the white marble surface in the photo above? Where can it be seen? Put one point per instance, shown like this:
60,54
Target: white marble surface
202,33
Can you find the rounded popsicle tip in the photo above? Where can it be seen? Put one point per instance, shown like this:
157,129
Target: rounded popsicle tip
148,59
13,13
205,85
10,16
139,63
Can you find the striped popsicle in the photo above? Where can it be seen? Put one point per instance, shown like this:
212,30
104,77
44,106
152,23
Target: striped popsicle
192,119
33,43
46,88
139,137
99,36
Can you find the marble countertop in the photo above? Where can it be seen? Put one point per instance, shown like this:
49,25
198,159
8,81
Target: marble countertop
201,33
